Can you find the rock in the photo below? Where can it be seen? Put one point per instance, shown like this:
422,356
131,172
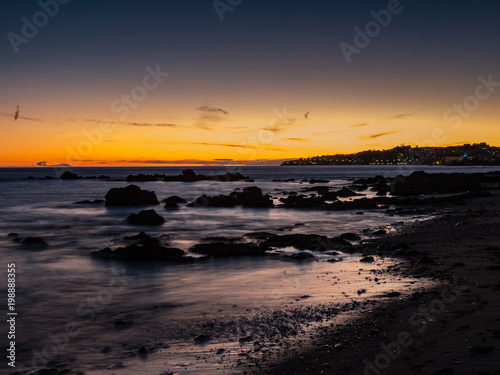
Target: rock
250,197
171,205
144,251
174,199
48,178
302,256
345,193
245,339
224,250
201,339
305,242
30,178
144,177
221,351
259,235
301,201
379,232
106,350
367,259
95,201
146,217
34,241
143,351
131,195
350,236
426,260
120,323
67,175
12,235
393,294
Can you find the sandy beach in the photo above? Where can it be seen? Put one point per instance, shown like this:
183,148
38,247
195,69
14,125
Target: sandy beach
450,329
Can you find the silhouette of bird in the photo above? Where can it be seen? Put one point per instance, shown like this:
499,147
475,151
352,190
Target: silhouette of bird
306,115
16,115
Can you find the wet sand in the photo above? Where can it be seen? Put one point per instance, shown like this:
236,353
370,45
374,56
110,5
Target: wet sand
450,329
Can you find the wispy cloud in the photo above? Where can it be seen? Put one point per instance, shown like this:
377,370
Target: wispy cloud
295,139
400,116
359,124
377,135
141,124
5,114
208,116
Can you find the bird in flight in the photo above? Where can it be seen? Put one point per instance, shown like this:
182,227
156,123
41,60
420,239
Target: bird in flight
306,115
16,115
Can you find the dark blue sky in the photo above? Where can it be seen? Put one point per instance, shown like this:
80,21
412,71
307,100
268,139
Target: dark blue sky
264,55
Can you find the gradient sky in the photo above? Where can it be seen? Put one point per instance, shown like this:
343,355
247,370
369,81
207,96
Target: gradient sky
239,88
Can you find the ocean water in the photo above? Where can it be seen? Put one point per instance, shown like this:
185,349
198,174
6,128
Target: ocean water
95,315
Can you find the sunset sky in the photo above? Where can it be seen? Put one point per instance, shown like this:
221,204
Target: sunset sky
253,82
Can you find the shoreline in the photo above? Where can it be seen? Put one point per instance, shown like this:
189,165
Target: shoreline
450,329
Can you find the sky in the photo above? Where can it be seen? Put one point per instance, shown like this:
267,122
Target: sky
200,82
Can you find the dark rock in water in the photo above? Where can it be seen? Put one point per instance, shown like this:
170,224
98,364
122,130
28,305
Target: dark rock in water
201,339
131,195
106,350
245,339
143,351
419,183
171,205
302,256
393,294
379,232
144,251
174,199
103,177
12,235
95,201
345,193
221,351
224,250
301,201
67,175
34,241
367,259
48,178
146,217
350,236
30,178
188,175
222,239
359,213
356,204
288,180
250,197
314,181
120,323
143,238
17,239
426,260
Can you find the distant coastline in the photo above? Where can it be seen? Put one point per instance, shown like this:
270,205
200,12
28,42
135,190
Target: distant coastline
476,154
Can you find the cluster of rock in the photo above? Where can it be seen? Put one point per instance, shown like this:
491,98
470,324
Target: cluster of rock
249,197
143,248
131,195
187,175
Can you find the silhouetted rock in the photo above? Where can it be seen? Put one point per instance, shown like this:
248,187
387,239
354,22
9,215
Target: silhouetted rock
201,339
95,201
174,199
249,197
34,241
345,193
131,195
146,217
30,178
12,235
224,250
301,201
143,252
187,175
302,256
144,177
171,205
380,232
67,175
350,236
367,259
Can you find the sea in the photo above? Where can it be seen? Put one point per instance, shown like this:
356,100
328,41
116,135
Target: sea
216,316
